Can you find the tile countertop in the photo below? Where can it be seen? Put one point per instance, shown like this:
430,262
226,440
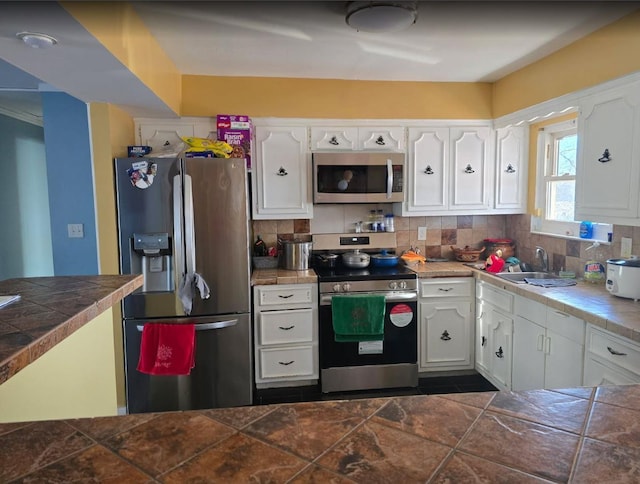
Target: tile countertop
579,435
49,310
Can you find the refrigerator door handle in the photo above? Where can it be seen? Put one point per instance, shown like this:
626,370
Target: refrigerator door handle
189,229
177,230
205,326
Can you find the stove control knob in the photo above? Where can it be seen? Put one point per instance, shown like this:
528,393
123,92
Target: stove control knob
336,288
346,287
393,285
403,285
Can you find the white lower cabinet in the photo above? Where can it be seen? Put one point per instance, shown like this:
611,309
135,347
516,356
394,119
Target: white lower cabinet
285,324
445,332
548,347
494,331
610,359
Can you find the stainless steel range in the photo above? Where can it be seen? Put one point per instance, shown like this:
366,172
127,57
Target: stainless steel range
361,365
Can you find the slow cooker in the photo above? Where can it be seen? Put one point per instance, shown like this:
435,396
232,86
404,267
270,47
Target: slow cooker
623,278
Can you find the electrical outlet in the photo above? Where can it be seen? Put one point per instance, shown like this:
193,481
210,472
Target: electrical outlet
625,247
422,233
75,231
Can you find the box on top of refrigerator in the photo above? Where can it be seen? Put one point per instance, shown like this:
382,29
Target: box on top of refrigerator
236,130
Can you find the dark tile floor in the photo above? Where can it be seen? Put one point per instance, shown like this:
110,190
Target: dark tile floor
426,386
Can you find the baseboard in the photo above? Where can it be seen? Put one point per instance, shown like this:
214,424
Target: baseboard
122,410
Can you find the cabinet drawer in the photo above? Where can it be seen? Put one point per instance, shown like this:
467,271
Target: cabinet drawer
289,326
612,348
496,297
447,287
287,362
289,294
566,325
530,309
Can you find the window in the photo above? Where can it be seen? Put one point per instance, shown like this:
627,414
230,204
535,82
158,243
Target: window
556,183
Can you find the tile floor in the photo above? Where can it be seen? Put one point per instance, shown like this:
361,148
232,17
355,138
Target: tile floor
426,386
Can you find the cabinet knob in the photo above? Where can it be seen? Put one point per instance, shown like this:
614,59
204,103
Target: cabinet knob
380,141
282,172
510,168
606,156
445,336
428,170
334,141
469,169
500,353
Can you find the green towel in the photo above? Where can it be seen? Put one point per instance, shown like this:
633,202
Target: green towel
358,318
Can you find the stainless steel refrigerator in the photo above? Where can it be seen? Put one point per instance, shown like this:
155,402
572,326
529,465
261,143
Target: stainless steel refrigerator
184,224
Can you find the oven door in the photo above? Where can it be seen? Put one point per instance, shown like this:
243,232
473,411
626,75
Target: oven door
400,344
358,177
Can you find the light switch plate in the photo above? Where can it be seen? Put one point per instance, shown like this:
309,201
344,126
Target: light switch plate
422,233
75,231
625,247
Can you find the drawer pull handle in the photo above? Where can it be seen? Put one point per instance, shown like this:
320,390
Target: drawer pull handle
287,328
285,297
445,290
614,352
500,353
445,336
286,363
484,341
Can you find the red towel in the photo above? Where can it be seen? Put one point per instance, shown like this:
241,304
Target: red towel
167,349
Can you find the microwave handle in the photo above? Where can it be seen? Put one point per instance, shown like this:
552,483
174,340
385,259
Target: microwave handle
389,178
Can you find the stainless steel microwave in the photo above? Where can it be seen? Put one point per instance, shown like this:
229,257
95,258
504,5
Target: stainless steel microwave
358,177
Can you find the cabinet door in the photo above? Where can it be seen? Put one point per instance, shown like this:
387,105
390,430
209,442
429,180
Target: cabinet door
445,334
563,361
608,169
528,355
428,177
500,340
334,138
511,170
470,168
598,373
281,185
381,139
482,346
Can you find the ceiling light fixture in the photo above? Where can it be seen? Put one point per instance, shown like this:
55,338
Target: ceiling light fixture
36,40
381,16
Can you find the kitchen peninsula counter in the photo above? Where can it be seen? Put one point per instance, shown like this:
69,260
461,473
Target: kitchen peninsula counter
51,309
576,435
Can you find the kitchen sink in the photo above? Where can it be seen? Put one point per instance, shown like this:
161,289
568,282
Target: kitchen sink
519,277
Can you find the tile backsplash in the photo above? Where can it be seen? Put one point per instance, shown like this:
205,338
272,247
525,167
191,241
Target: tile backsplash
455,230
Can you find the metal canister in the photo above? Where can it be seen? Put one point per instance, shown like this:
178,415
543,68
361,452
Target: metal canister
295,255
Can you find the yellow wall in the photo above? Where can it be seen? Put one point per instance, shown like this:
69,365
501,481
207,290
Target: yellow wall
117,26
72,380
331,98
112,130
606,54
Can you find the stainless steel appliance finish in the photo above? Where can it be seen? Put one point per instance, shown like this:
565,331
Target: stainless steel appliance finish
358,177
346,366
199,208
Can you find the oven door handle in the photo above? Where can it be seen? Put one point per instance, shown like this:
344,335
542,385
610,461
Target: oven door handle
325,299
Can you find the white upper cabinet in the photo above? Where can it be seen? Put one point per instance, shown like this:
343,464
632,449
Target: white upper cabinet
450,168
281,175
357,138
511,170
608,169
427,170
470,168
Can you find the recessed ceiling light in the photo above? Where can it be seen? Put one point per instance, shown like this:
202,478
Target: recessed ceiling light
36,40
381,16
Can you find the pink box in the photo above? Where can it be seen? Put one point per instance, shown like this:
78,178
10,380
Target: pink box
236,130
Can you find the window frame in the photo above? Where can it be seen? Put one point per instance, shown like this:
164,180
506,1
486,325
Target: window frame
539,223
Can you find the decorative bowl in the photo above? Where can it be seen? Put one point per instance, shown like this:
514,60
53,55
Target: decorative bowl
467,254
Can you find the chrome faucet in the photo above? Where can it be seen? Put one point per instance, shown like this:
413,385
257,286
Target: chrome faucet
541,255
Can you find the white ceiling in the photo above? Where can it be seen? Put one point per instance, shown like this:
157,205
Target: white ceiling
450,41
